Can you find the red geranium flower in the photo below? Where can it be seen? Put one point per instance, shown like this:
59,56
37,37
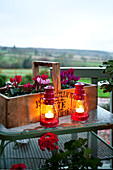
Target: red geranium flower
18,166
47,141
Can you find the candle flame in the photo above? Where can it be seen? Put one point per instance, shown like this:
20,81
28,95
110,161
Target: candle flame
49,114
80,109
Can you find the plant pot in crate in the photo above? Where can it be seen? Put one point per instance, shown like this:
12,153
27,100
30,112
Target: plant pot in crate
25,109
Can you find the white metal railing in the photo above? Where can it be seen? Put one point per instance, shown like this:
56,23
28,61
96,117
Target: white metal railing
94,73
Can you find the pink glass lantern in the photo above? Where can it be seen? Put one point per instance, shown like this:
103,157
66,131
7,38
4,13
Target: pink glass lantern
49,116
79,103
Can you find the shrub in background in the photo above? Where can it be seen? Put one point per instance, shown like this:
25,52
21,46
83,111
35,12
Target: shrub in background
27,78
3,80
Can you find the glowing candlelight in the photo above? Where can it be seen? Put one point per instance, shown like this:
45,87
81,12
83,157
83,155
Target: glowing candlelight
49,115
80,110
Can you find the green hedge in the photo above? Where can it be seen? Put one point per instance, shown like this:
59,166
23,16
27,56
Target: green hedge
3,80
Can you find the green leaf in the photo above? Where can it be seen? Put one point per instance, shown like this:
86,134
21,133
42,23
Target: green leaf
60,156
61,151
68,145
108,69
13,91
75,156
107,87
110,62
82,141
87,152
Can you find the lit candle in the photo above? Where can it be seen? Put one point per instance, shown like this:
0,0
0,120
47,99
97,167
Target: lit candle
49,115
80,110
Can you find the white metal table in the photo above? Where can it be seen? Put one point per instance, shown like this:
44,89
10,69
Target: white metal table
99,119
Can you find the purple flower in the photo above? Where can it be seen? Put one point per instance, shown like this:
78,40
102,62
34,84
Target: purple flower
68,77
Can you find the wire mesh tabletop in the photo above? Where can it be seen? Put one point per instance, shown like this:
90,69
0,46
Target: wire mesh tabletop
34,157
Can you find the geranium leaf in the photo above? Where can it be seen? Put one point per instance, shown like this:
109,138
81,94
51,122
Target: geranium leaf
88,151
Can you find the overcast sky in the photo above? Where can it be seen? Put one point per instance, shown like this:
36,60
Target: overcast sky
68,24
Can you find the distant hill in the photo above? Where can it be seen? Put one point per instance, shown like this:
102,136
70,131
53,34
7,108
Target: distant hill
18,57
59,51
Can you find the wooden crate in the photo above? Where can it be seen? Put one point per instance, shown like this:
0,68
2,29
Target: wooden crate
25,109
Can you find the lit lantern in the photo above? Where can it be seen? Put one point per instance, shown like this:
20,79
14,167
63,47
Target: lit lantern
49,116
79,103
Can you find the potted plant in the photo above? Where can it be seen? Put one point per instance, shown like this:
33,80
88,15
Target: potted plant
75,155
14,89
107,84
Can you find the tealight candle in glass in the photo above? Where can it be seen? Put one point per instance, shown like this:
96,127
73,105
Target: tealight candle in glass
79,103
49,116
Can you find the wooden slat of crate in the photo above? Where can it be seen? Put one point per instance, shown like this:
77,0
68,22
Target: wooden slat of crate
55,71
91,90
3,110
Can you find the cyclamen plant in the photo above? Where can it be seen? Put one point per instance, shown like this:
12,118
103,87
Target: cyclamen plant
13,88
68,79
41,82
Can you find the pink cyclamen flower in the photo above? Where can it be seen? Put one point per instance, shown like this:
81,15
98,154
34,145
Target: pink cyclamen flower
47,81
40,80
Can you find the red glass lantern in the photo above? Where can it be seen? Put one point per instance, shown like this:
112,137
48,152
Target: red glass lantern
49,116
79,103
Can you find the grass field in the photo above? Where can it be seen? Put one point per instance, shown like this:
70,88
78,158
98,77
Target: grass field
86,64
100,91
23,72
13,72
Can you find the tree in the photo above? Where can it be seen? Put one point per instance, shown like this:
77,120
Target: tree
27,63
